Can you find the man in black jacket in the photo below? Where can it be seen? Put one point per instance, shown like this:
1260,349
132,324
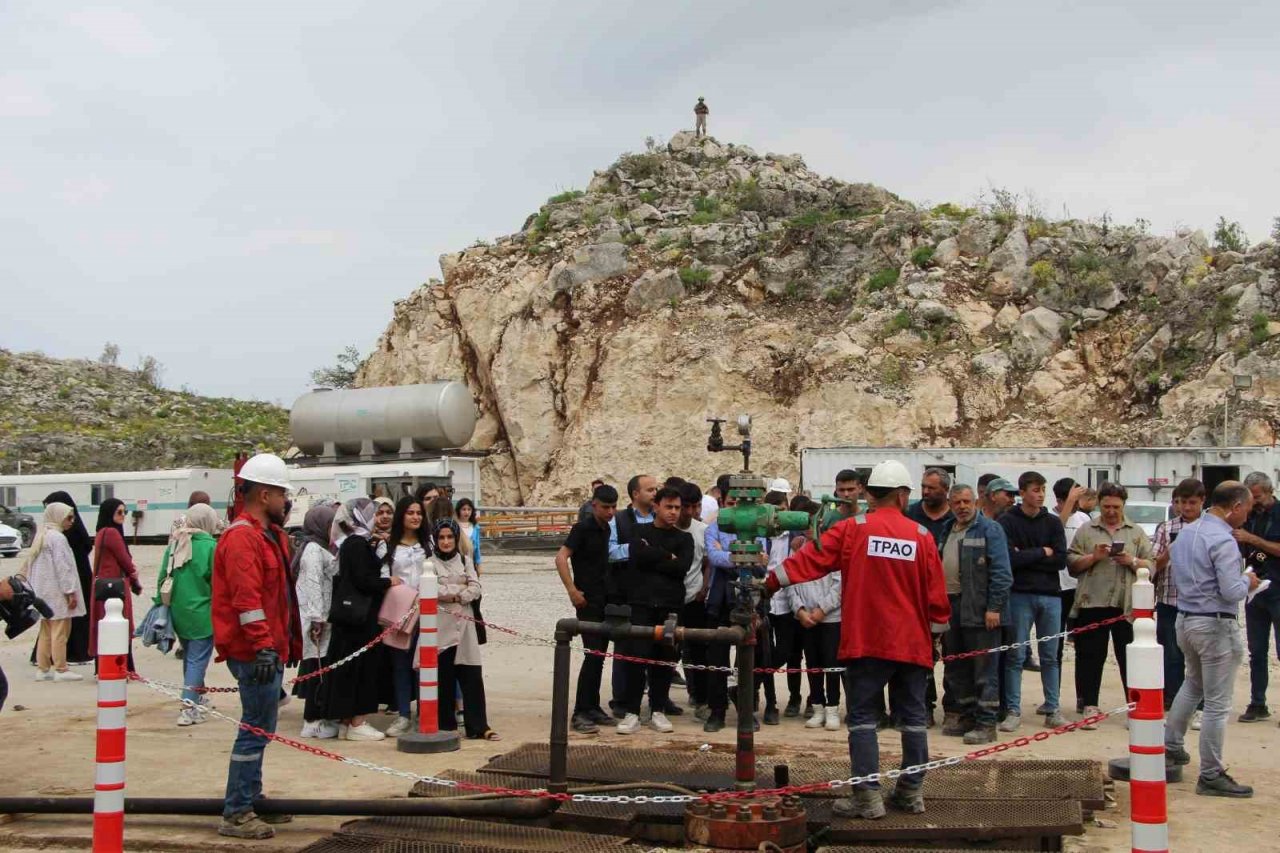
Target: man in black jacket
1037,552
640,489
659,558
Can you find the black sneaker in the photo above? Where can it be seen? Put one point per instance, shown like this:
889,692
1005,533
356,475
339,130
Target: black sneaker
599,716
1222,786
672,709
771,716
583,724
793,707
1254,714
1031,665
1177,755
714,723
617,711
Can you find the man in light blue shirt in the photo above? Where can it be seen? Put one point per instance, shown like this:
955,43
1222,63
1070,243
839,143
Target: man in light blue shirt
1208,575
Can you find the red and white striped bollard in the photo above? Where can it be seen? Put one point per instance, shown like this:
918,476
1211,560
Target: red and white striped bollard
1148,789
113,678
428,737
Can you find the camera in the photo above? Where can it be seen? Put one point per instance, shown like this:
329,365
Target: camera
24,609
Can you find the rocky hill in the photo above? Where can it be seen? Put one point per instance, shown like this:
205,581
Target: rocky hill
701,278
72,415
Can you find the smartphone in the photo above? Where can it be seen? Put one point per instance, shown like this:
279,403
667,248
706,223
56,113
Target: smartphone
1117,548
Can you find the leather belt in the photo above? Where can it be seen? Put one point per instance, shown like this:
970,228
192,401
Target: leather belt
1209,615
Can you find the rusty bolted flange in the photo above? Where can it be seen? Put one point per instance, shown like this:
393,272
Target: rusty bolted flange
745,824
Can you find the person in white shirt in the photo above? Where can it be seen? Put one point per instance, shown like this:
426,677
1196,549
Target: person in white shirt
406,555
694,612
1067,492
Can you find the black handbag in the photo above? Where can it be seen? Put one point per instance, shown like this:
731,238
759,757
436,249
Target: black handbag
350,607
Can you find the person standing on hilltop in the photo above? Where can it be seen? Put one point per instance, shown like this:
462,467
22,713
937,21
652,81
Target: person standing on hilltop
700,111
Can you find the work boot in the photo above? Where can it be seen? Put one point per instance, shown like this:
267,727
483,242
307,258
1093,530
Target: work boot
1222,786
908,798
583,724
246,824
793,707
955,724
1177,755
715,722
862,803
1254,714
980,734
1011,722
771,716
275,819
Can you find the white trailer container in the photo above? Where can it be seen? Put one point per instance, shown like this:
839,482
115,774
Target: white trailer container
153,498
389,479
1149,473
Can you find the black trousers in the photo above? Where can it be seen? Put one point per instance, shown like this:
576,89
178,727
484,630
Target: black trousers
788,650
694,615
592,671
1091,651
659,675
468,679
821,646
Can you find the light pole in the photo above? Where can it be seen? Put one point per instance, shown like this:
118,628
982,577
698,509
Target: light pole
1239,382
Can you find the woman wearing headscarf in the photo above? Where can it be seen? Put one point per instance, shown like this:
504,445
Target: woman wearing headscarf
381,530
112,561
82,547
51,568
352,689
186,585
459,647
315,565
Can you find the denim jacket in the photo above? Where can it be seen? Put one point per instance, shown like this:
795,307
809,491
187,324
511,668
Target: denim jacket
985,574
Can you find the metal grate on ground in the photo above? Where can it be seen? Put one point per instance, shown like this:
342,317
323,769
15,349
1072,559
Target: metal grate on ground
862,848
474,835
1074,779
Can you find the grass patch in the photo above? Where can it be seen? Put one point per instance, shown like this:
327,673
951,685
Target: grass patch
641,166
952,211
567,195
836,295
1223,312
704,218
1042,273
694,277
898,322
648,196
1258,329
922,256
885,278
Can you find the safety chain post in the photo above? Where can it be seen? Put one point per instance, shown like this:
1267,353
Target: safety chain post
108,783
428,737
1148,791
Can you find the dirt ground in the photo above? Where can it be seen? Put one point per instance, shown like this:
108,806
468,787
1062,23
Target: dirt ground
47,731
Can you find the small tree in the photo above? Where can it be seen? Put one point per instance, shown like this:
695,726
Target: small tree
150,371
340,375
1275,229
1229,236
110,354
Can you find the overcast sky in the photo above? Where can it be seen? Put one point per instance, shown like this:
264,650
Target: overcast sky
241,189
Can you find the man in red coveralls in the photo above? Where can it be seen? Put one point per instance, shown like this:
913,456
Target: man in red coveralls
256,630
894,604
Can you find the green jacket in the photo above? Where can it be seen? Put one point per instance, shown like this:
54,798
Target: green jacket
191,596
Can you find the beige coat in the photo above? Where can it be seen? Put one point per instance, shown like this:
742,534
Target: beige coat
458,587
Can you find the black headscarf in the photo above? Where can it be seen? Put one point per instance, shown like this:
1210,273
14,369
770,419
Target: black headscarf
442,524
106,517
77,535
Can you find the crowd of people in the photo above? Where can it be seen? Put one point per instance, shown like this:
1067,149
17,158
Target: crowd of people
1013,571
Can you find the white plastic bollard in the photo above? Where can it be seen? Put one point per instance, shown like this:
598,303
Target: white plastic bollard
1148,789
428,737
113,680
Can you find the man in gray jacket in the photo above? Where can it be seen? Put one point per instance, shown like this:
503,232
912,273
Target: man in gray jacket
975,563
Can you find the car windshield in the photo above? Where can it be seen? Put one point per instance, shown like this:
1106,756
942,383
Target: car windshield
1140,514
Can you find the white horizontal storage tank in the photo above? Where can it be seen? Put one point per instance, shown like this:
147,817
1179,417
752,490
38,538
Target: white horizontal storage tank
403,419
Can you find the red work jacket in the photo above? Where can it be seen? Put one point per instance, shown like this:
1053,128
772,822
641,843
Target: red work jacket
254,607
894,595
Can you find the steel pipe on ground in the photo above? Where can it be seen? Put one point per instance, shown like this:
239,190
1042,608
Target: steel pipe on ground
521,808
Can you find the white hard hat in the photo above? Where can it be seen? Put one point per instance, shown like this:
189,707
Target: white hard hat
780,485
890,474
266,469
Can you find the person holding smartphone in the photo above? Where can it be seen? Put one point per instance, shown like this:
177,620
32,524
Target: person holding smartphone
1105,556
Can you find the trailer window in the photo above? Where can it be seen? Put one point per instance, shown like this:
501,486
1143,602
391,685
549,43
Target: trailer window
99,492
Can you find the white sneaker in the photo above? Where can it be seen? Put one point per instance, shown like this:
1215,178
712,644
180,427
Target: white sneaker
399,727
817,719
68,676
1196,720
325,730
659,722
44,676
1089,711
629,725
364,731
191,716
308,729
832,723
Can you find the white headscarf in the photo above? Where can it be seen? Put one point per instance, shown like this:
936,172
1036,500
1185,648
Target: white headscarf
200,518
354,518
55,515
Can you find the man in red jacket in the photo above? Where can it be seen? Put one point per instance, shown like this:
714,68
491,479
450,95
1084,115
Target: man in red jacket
893,604
256,630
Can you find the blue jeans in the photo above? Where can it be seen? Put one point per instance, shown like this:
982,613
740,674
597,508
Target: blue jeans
195,662
1261,620
405,678
864,683
259,706
1045,612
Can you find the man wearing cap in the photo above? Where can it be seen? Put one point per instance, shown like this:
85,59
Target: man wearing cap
256,630
1001,495
894,605
700,111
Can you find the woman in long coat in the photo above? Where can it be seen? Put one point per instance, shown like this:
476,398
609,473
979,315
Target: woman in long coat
112,560
51,568
82,548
